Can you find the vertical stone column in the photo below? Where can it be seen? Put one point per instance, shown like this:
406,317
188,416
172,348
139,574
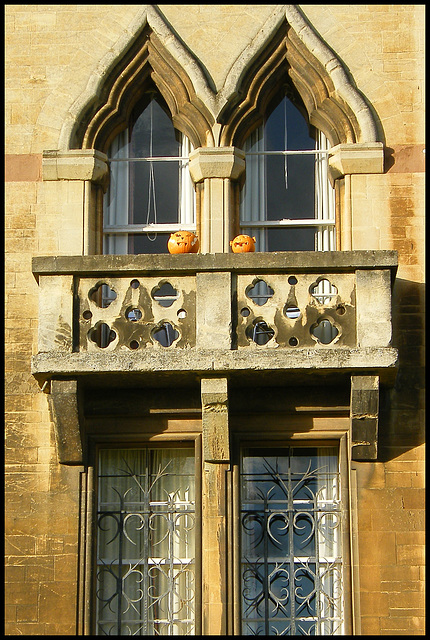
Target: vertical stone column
216,167
373,303
55,331
216,459
213,311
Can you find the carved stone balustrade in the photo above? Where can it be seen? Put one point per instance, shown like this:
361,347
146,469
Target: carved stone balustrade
289,314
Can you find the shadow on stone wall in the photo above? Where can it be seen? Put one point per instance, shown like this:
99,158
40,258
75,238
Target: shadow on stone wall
402,424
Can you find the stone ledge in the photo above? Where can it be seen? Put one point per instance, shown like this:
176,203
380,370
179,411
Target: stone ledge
279,262
254,362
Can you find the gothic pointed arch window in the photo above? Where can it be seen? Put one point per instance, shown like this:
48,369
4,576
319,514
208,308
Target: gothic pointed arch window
150,193
287,202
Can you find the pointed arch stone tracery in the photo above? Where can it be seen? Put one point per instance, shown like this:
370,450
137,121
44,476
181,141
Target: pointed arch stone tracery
147,64
286,62
286,51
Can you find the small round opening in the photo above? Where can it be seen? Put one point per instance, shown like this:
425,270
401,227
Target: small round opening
293,342
292,312
292,280
133,314
134,344
87,315
134,284
245,312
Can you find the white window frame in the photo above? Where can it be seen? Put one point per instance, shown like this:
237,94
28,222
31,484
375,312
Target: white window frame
253,198
115,216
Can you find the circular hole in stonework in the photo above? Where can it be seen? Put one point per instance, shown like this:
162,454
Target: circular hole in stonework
181,314
134,344
340,310
293,342
133,314
245,312
292,280
87,315
165,334
292,312
102,335
102,295
134,284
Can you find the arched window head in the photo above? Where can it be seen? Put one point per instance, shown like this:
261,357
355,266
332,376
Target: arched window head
287,202
150,194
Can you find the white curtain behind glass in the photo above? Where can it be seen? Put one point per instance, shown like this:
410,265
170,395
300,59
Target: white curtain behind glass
253,195
145,535
329,539
324,198
115,209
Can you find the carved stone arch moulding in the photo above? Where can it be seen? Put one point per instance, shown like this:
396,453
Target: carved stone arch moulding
152,58
292,53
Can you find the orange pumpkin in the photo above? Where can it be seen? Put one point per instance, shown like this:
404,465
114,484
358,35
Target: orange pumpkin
183,242
243,244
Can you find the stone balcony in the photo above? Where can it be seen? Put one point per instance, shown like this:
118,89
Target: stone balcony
289,316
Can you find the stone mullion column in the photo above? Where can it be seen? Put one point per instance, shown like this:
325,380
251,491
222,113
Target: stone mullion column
216,463
217,168
88,167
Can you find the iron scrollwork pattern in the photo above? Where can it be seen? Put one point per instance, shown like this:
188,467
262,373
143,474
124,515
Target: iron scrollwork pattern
291,573
145,542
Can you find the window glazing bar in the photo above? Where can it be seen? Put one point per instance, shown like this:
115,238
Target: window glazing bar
287,222
321,152
148,228
153,159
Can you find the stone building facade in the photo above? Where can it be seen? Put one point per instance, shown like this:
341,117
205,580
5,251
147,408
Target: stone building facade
277,396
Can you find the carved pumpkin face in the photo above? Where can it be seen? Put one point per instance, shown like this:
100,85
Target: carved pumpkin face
243,244
183,242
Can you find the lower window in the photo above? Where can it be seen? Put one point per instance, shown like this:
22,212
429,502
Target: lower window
291,555
146,575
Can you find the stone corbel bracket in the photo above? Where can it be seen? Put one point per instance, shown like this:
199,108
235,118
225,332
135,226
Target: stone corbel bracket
65,412
351,158
364,411
76,164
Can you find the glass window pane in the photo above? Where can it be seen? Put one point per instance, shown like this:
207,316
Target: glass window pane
153,134
291,567
147,243
150,201
145,542
283,238
148,192
286,128
286,186
290,187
